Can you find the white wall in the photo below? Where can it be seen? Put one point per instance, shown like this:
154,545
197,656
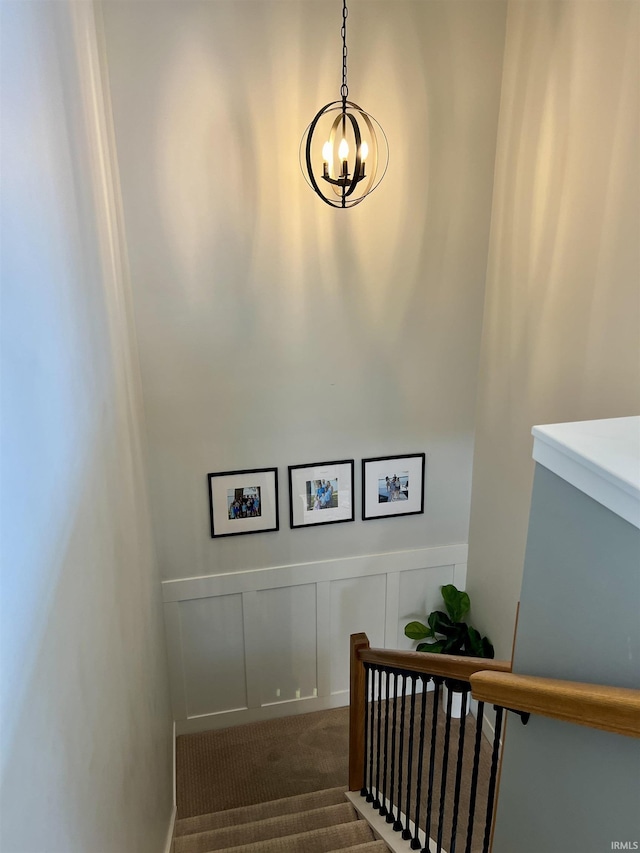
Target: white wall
86,727
274,330
562,313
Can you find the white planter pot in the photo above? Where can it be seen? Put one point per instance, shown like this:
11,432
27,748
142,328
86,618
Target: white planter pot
456,702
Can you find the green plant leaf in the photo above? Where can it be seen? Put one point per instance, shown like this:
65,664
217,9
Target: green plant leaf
417,631
475,642
440,623
479,647
487,648
434,648
450,632
454,645
456,602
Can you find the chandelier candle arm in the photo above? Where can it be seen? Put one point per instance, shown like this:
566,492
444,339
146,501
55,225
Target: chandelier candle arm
351,135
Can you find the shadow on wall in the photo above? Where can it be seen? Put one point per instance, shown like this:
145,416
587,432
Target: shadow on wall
562,315
269,323
556,228
238,224
86,726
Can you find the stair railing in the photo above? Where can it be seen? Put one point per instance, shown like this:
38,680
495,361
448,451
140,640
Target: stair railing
598,706
401,757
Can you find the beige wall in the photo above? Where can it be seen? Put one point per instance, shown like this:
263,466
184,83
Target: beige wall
274,330
86,728
561,329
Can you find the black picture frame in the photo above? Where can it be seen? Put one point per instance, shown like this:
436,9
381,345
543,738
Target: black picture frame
311,504
393,486
246,487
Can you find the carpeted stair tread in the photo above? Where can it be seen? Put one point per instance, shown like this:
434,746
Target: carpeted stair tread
326,840
260,811
367,847
263,830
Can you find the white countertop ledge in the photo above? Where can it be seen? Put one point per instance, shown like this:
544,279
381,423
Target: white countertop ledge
601,458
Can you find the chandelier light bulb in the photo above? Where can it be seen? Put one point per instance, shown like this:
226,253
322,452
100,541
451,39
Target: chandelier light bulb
358,131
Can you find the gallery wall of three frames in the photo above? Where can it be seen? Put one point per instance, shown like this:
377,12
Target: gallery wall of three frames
246,501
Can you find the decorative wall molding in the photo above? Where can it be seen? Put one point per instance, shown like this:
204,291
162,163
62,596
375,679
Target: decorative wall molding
266,643
393,562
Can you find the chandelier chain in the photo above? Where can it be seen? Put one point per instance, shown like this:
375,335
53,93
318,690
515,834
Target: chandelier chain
344,89
344,152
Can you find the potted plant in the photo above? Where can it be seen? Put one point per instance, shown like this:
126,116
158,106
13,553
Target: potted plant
448,634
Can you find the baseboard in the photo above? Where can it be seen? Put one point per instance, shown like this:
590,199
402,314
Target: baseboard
240,716
383,831
168,845
293,707
488,729
175,794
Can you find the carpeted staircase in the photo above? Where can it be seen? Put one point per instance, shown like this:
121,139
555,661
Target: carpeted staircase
319,822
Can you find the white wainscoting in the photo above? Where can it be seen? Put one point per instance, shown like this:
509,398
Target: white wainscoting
272,642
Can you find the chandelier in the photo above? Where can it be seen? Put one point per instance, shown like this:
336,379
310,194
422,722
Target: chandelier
344,152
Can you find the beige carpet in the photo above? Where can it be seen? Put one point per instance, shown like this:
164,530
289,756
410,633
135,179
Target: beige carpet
322,822
260,762
331,828
260,811
263,761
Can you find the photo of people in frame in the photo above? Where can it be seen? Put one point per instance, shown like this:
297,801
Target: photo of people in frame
393,487
322,494
244,503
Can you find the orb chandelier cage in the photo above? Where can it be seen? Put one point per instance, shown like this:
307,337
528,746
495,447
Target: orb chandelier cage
344,151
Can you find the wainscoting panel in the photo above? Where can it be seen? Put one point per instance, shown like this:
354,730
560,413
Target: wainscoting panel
357,604
288,649
213,654
273,642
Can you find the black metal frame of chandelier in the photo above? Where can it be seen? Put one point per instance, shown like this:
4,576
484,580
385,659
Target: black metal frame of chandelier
357,175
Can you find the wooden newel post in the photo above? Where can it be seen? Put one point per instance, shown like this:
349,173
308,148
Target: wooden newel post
357,712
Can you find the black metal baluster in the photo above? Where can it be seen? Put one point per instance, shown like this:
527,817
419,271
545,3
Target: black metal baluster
383,807
474,776
456,795
390,818
363,790
397,825
445,765
371,708
437,681
376,802
415,843
492,778
406,832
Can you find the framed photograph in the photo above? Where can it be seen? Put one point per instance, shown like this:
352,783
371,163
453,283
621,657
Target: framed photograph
393,485
243,501
321,493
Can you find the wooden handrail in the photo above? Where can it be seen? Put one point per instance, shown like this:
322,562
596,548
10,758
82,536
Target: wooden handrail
449,666
611,709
